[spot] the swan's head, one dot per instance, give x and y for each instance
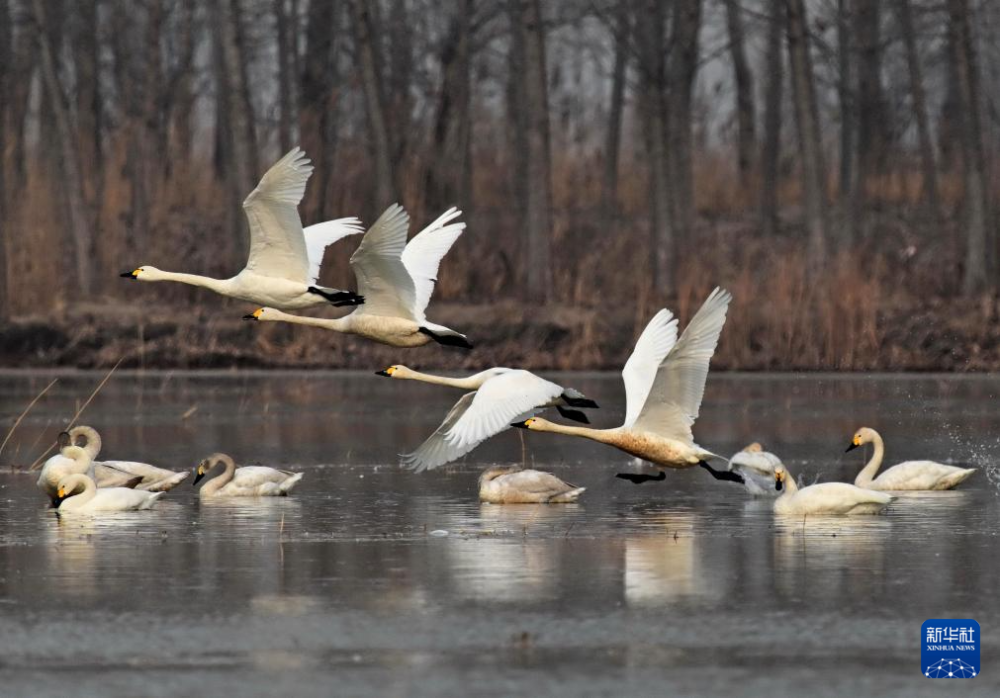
(755, 447)
(780, 477)
(394, 371)
(205, 466)
(143, 274)
(533, 424)
(862, 436)
(262, 315)
(496, 471)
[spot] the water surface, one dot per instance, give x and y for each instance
(349, 587)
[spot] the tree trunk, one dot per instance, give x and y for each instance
(980, 253)
(285, 39)
(527, 16)
(930, 188)
(687, 26)
(870, 112)
(845, 95)
(6, 52)
(88, 99)
(653, 107)
(745, 109)
(401, 63)
(182, 90)
(372, 84)
(448, 177)
(318, 103)
(612, 141)
(806, 116)
(243, 119)
(771, 153)
(79, 230)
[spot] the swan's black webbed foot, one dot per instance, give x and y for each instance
(639, 478)
(722, 474)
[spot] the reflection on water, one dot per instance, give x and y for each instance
(345, 571)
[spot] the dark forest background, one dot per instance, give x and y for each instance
(832, 162)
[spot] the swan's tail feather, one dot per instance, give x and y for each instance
(568, 497)
(447, 337)
(337, 297)
(574, 415)
(287, 485)
(152, 500)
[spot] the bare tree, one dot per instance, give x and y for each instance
(181, 88)
(79, 229)
(773, 95)
(526, 16)
(372, 83)
(980, 253)
(870, 143)
(285, 40)
(621, 27)
(684, 67)
(6, 53)
(845, 96)
(807, 118)
(919, 106)
(746, 143)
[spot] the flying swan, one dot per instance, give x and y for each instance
(284, 262)
(396, 280)
(513, 485)
(839, 498)
(911, 475)
(247, 481)
(664, 385)
(499, 396)
(79, 494)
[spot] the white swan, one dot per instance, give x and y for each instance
(756, 467)
(911, 475)
(499, 396)
(284, 261)
(664, 385)
(396, 280)
(247, 481)
(514, 485)
(79, 494)
(825, 498)
(114, 473)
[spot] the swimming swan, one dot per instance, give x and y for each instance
(114, 473)
(756, 467)
(513, 485)
(284, 261)
(499, 396)
(79, 494)
(248, 481)
(396, 280)
(825, 498)
(664, 385)
(911, 475)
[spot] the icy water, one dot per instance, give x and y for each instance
(350, 586)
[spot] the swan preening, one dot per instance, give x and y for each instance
(140, 476)
(826, 498)
(283, 267)
(396, 279)
(499, 395)
(245, 481)
(911, 475)
(756, 468)
(664, 385)
(79, 494)
(514, 485)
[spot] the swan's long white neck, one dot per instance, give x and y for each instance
(867, 474)
(789, 485)
(340, 324)
(604, 436)
(468, 383)
(218, 285)
(222, 479)
(89, 489)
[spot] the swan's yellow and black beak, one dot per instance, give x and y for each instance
(526, 424)
(130, 274)
(199, 473)
(779, 482)
(854, 444)
(61, 493)
(387, 372)
(255, 315)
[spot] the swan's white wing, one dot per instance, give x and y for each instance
(382, 277)
(675, 398)
(499, 402)
(424, 252)
(436, 451)
(256, 475)
(277, 245)
(653, 345)
(320, 236)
